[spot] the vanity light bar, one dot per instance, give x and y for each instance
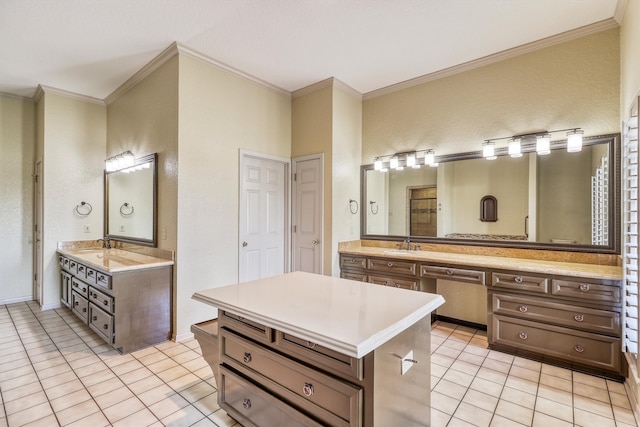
(409, 159)
(119, 161)
(542, 143)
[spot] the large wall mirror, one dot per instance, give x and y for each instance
(562, 201)
(131, 202)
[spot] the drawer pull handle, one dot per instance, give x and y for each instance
(584, 287)
(246, 403)
(518, 279)
(247, 357)
(307, 389)
(523, 309)
(390, 264)
(84, 309)
(449, 272)
(76, 303)
(523, 335)
(105, 326)
(311, 344)
(95, 295)
(95, 318)
(397, 285)
(579, 348)
(105, 302)
(578, 317)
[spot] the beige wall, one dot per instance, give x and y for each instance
(17, 145)
(71, 144)
(575, 83)
(312, 133)
(220, 114)
(630, 57)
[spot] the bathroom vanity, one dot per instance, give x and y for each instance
(302, 349)
(122, 295)
(567, 313)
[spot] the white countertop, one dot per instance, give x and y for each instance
(353, 318)
(114, 260)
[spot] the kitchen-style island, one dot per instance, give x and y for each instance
(302, 349)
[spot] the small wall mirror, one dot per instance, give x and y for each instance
(131, 202)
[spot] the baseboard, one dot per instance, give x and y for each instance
(632, 385)
(50, 306)
(474, 325)
(183, 337)
(16, 300)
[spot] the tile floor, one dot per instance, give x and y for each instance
(55, 371)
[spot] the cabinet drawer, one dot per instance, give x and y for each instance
(103, 280)
(73, 267)
(61, 261)
(81, 271)
(79, 305)
(561, 343)
(394, 282)
(352, 261)
(360, 277)
(325, 358)
(332, 401)
(91, 275)
(239, 396)
(246, 327)
(586, 291)
(600, 321)
(101, 322)
(518, 281)
(80, 287)
(64, 262)
(392, 266)
(450, 273)
(102, 300)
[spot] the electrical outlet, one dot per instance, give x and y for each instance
(164, 234)
(407, 363)
(87, 228)
(122, 228)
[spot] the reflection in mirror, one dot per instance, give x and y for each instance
(130, 200)
(555, 200)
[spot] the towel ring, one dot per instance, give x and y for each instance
(124, 207)
(85, 207)
(351, 202)
(373, 204)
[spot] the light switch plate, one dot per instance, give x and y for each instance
(407, 363)
(87, 228)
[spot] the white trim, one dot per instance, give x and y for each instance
(143, 73)
(607, 24)
(16, 300)
(322, 84)
(621, 7)
(229, 69)
(632, 385)
(18, 97)
(186, 336)
(50, 306)
(42, 89)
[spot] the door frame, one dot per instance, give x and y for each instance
(287, 201)
(38, 219)
(294, 167)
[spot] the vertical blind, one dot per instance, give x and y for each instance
(630, 249)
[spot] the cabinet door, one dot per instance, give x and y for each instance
(65, 288)
(394, 282)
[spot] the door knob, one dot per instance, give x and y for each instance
(315, 241)
(245, 244)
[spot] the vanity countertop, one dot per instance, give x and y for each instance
(114, 260)
(560, 268)
(353, 318)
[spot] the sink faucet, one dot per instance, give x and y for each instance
(408, 242)
(106, 242)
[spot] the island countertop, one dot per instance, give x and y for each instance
(353, 318)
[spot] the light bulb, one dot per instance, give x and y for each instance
(514, 148)
(377, 164)
(411, 160)
(393, 163)
(543, 144)
(574, 140)
(430, 158)
(488, 150)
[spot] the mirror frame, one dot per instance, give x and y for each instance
(141, 241)
(614, 204)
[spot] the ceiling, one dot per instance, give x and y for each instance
(91, 47)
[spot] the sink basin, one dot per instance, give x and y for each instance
(397, 252)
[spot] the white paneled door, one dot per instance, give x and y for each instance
(263, 217)
(307, 214)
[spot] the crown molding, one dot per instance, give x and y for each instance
(621, 7)
(143, 72)
(597, 27)
(42, 89)
(322, 84)
(229, 69)
(18, 97)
